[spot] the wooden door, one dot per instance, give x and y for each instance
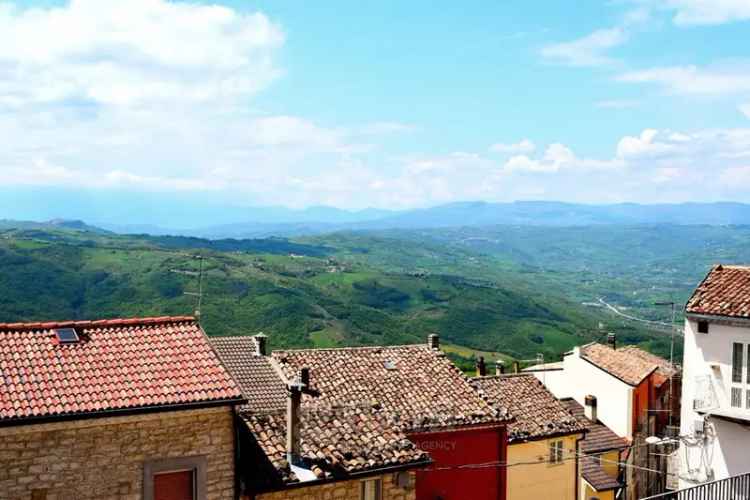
(179, 485)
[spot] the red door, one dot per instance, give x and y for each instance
(178, 485)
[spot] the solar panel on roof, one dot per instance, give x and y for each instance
(66, 335)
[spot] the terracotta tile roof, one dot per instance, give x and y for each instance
(593, 472)
(619, 363)
(335, 442)
(599, 437)
(117, 364)
(260, 382)
(665, 368)
(416, 384)
(536, 412)
(725, 291)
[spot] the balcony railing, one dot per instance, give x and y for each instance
(731, 488)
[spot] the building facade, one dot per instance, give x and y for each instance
(715, 426)
(108, 409)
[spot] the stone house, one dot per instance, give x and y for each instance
(122, 409)
(369, 423)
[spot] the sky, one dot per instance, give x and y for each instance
(385, 104)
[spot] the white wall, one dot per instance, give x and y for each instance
(555, 381)
(614, 397)
(728, 453)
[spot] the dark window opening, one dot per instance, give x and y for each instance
(703, 327)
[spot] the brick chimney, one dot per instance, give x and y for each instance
(612, 340)
(433, 341)
(481, 367)
(293, 403)
(589, 408)
(261, 341)
(499, 367)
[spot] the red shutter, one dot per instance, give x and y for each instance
(174, 485)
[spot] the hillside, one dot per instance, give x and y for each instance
(340, 290)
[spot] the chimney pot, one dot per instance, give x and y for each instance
(499, 367)
(304, 376)
(590, 408)
(516, 367)
(260, 344)
(612, 340)
(433, 341)
(481, 367)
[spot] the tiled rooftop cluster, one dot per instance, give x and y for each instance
(418, 385)
(348, 440)
(621, 363)
(117, 364)
(536, 412)
(724, 292)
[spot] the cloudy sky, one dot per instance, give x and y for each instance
(391, 104)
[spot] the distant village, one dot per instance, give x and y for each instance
(158, 409)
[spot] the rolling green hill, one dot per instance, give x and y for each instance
(344, 290)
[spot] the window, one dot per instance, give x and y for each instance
(181, 478)
(703, 327)
(556, 452)
(371, 490)
(737, 354)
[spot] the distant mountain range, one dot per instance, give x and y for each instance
(142, 214)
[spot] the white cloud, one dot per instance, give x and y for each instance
(125, 53)
(745, 109)
(703, 12)
(643, 145)
(590, 50)
(557, 157)
(727, 78)
(524, 146)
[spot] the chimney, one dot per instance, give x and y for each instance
(293, 402)
(499, 367)
(590, 408)
(260, 344)
(481, 367)
(304, 377)
(612, 340)
(516, 367)
(433, 341)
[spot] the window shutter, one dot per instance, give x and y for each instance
(737, 355)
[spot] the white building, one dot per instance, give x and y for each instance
(716, 378)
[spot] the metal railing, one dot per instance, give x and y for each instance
(731, 488)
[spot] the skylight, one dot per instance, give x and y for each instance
(67, 335)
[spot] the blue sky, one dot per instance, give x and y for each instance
(388, 104)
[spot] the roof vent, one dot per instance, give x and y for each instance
(66, 335)
(390, 364)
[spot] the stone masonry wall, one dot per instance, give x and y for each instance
(344, 490)
(103, 457)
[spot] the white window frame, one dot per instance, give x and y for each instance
(739, 390)
(371, 489)
(556, 452)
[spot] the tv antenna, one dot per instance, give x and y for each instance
(199, 294)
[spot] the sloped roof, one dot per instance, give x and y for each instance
(593, 472)
(536, 412)
(335, 442)
(117, 364)
(261, 384)
(619, 363)
(599, 437)
(725, 291)
(664, 368)
(416, 384)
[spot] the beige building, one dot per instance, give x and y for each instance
(116, 409)
(543, 438)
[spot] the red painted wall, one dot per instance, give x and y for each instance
(450, 449)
